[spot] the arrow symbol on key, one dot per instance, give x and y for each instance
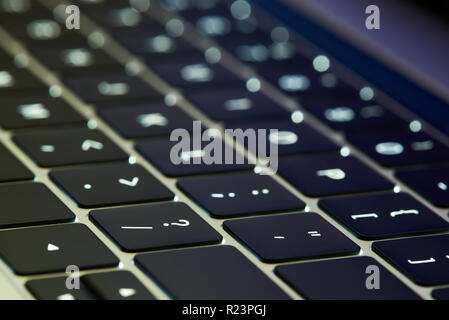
(52, 247)
(91, 144)
(129, 183)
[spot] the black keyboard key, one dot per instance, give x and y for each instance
(11, 169)
(212, 273)
(159, 152)
(11, 10)
(40, 29)
(229, 104)
(33, 112)
(331, 174)
(146, 121)
(56, 289)
(52, 249)
(384, 215)
(193, 73)
(401, 148)
(59, 147)
(153, 43)
(110, 184)
(432, 183)
(152, 227)
(291, 138)
(118, 285)
(13, 80)
(69, 57)
(106, 86)
(41, 206)
(441, 294)
(344, 279)
(350, 113)
(425, 260)
(291, 237)
(238, 194)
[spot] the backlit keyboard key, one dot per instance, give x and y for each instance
(384, 215)
(291, 138)
(291, 237)
(51, 249)
(110, 184)
(59, 147)
(13, 80)
(33, 112)
(213, 273)
(56, 289)
(11, 168)
(230, 104)
(425, 260)
(401, 148)
(431, 182)
(351, 113)
(118, 285)
(106, 86)
(238, 194)
(146, 120)
(153, 227)
(344, 279)
(27, 204)
(159, 152)
(194, 73)
(325, 175)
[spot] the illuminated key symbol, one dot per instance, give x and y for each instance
(389, 148)
(152, 119)
(339, 114)
(334, 174)
(136, 228)
(442, 186)
(279, 237)
(197, 73)
(238, 104)
(221, 195)
(180, 223)
(129, 183)
(187, 155)
(423, 145)
(91, 144)
(257, 192)
(431, 260)
(6, 79)
(127, 292)
(314, 234)
(47, 148)
(283, 138)
(77, 57)
(403, 212)
(113, 89)
(34, 111)
(364, 216)
(52, 247)
(87, 186)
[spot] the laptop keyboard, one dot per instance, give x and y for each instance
(92, 128)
